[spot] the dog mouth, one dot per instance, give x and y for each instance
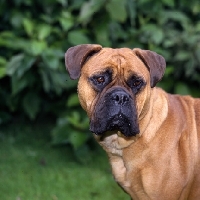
(116, 123)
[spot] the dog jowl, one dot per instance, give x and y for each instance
(115, 111)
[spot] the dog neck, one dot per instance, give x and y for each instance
(114, 142)
(157, 113)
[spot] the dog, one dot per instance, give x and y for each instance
(152, 138)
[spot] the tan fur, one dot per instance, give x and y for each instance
(163, 161)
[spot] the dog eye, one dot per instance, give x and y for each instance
(100, 79)
(137, 83)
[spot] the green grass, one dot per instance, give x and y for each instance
(31, 169)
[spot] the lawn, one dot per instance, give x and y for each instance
(32, 169)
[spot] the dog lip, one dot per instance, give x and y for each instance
(118, 123)
(117, 120)
(114, 131)
(122, 123)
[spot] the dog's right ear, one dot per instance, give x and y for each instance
(76, 56)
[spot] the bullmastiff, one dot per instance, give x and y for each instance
(152, 138)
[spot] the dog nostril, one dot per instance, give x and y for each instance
(120, 98)
(125, 98)
(117, 98)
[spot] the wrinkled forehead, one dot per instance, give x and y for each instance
(120, 61)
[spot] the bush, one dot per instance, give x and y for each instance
(34, 36)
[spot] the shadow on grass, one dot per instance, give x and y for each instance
(31, 169)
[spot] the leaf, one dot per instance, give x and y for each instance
(78, 37)
(64, 134)
(51, 61)
(66, 20)
(31, 104)
(158, 36)
(183, 55)
(7, 34)
(3, 63)
(73, 100)
(45, 80)
(17, 20)
(58, 81)
(77, 139)
(61, 131)
(102, 34)
(63, 2)
(117, 10)
(28, 26)
(11, 41)
(75, 119)
(131, 9)
(43, 31)
(26, 64)
(153, 33)
(175, 16)
(57, 53)
(190, 68)
(20, 44)
(169, 70)
(19, 64)
(2, 72)
(37, 47)
(18, 84)
(88, 10)
(169, 3)
(53, 80)
(195, 7)
(117, 32)
(181, 88)
(76, 4)
(14, 64)
(66, 23)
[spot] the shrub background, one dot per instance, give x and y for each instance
(34, 36)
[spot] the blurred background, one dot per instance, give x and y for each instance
(46, 150)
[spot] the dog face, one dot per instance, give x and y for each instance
(115, 85)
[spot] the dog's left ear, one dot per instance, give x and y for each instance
(76, 56)
(154, 62)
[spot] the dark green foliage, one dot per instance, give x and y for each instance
(34, 36)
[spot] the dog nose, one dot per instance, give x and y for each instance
(120, 97)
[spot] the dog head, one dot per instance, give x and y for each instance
(114, 84)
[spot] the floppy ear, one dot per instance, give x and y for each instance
(154, 62)
(76, 56)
